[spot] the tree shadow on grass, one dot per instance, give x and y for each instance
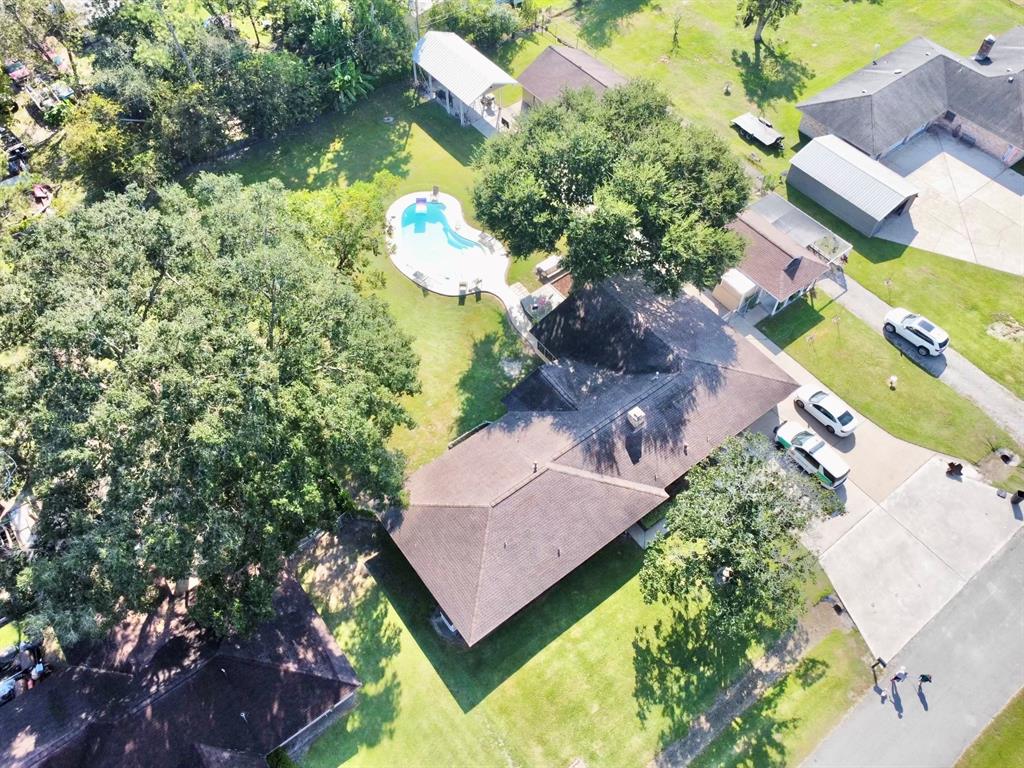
(484, 383)
(471, 674)
(356, 145)
(681, 665)
(756, 736)
(771, 75)
(599, 20)
(357, 611)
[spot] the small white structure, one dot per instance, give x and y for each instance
(637, 417)
(736, 291)
(460, 78)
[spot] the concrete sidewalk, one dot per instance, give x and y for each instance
(972, 648)
(1005, 408)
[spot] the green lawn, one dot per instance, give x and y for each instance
(9, 635)
(793, 715)
(460, 343)
(826, 41)
(1001, 744)
(589, 671)
(963, 298)
(856, 362)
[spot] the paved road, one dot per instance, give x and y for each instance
(1005, 408)
(973, 649)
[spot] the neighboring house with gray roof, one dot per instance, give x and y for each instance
(843, 180)
(506, 513)
(921, 84)
(558, 68)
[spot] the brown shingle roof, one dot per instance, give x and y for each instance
(558, 68)
(508, 512)
(773, 259)
(184, 697)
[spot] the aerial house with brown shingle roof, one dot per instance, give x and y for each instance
(780, 263)
(559, 68)
(644, 387)
(158, 692)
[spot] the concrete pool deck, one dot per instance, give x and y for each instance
(458, 277)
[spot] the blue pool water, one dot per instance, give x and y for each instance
(430, 233)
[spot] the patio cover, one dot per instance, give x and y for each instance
(458, 66)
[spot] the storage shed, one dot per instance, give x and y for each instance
(845, 181)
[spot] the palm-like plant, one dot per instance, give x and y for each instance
(348, 82)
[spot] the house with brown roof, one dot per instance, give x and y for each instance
(786, 253)
(559, 68)
(642, 388)
(158, 692)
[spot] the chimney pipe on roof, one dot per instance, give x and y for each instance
(985, 49)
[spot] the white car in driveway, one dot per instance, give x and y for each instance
(925, 335)
(812, 454)
(824, 406)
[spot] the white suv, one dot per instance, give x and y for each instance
(812, 454)
(919, 331)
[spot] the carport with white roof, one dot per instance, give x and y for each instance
(459, 78)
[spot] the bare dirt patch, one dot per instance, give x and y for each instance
(1007, 328)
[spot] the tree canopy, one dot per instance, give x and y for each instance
(765, 13)
(732, 548)
(627, 186)
(191, 388)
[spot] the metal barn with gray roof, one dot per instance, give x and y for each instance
(843, 180)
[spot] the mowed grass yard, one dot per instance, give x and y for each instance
(460, 344)
(962, 297)
(826, 41)
(591, 670)
(1001, 744)
(856, 362)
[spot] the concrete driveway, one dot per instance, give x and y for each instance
(970, 206)
(910, 538)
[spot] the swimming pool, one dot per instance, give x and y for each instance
(434, 246)
(425, 227)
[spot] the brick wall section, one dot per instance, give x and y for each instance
(983, 139)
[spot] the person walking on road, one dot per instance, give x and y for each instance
(922, 679)
(900, 676)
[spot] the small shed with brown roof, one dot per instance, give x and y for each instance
(780, 269)
(508, 512)
(559, 68)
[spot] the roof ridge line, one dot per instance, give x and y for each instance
(607, 479)
(480, 566)
(581, 69)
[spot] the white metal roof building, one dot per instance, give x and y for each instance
(458, 76)
(845, 181)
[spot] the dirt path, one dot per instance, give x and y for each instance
(735, 700)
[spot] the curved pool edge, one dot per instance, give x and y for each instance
(491, 283)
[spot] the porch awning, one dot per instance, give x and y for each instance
(458, 66)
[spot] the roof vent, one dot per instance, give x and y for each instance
(985, 49)
(637, 417)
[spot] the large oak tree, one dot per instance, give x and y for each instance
(628, 187)
(195, 387)
(733, 546)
